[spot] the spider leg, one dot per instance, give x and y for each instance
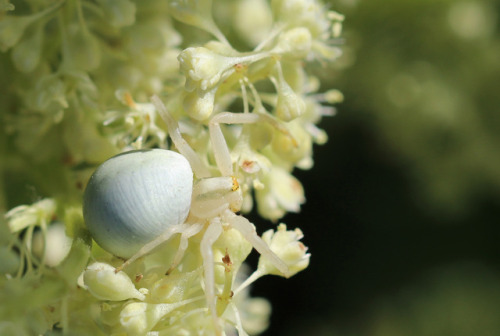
(188, 233)
(212, 233)
(153, 244)
(221, 151)
(199, 169)
(247, 229)
(211, 196)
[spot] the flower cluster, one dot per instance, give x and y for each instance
(79, 98)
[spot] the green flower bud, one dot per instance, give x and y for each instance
(11, 30)
(10, 260)
(119, 13)
(12, 27)
(81, 49)
(26, 54)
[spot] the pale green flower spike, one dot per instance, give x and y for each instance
(91, 80)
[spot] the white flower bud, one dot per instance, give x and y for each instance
(334, 96)
(306, 13)
(295, 146)
(202, 67)
(137, 318)
(253, 20)
(57, 245)
(255, 315)
(102, 281)
(282, 193)
(290, 105)
(199, 107)
(295, 43)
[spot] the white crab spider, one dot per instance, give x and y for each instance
(213, 202)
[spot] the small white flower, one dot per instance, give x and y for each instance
(136, 128)
(287, 246)
(285, 243)
(39, 213)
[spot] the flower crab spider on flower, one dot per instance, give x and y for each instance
(129, 213)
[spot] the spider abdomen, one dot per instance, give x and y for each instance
(135, 196)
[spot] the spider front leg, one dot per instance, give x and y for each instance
(248, 231)
(199, 169)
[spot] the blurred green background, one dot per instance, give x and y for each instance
(402, 217)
